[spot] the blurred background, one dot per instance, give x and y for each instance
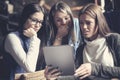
(10, 10)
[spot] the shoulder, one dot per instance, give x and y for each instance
(113, 36)
(113, 40)
(12, 36)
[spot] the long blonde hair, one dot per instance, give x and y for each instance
(62, 7)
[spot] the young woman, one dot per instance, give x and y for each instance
(64, 28)
(98, 57)
(24, 44)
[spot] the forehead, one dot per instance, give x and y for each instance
(86, 17)
(38, 15)
(60, 14)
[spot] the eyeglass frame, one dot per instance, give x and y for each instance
(35, 21)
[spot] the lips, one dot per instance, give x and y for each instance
(85, 32)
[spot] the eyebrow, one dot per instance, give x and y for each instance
(36, 19)
(67, 16)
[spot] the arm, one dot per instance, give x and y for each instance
(105, 71)
(26, 60)
(98, 70)
(113, 41)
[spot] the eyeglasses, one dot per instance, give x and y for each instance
(35, 21)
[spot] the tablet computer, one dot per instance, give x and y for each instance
(62, 57)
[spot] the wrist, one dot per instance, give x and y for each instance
(59, 39)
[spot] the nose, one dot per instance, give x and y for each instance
(64, 21)
(37, 25)
(84, 26)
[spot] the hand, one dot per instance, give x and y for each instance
(62, 32)
(29, 32)
(83, 71)
(51, 73)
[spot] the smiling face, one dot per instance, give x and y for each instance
(62, 19)
(34, 21)
(88, 27)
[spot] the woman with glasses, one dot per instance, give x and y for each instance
(25, 44)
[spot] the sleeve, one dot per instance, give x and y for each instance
(105, 71)
(26, 60)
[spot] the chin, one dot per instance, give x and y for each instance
(87, 37)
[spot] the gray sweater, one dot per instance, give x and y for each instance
(100, 71)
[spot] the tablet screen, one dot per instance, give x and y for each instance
(60, 56)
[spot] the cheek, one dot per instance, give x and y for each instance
(93, 31)
(69, 23)
(58, 24)
(39, 28)
(27, 25)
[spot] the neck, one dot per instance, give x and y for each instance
(92, 38)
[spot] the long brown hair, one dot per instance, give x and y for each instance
(96, 13)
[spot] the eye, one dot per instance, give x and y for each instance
(67, 18)
(41, 22)
(88, 22)
(34, 20)
(58, 20)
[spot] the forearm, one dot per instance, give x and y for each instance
(105, 71)
(32, 55)
(26, 60)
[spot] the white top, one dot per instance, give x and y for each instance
(97, 51)
(78, 39)
(13, 45)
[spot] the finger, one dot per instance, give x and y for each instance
(48, 68)
(56, 74)
(83, 66)
(25, 32)
(84, 76)
(51, 69)
(28, 30)
(81, 73)
(55, 78)
(80, 68)
(54, 71)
